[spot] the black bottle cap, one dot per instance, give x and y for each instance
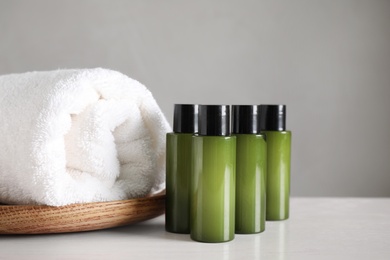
(246, 119)
(185, 118)
(273, 117)
(214, 120)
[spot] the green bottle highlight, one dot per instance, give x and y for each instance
(213, 177)
(278, 161)
(251, 170)
(179, 167)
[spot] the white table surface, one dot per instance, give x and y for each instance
(318, 228)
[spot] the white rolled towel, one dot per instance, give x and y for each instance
(76, 136)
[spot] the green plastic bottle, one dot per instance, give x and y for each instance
(178, 168)
(213, 177)
(251, 170)
(273, 125)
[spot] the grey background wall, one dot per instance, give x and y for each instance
(328, 61)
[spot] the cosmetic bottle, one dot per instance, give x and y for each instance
(178, 168)
(250, 171)
(213, 177)
(273, 125)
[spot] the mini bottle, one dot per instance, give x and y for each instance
(178, 168)
(273, 124)
(213, 177)
(250, 171)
